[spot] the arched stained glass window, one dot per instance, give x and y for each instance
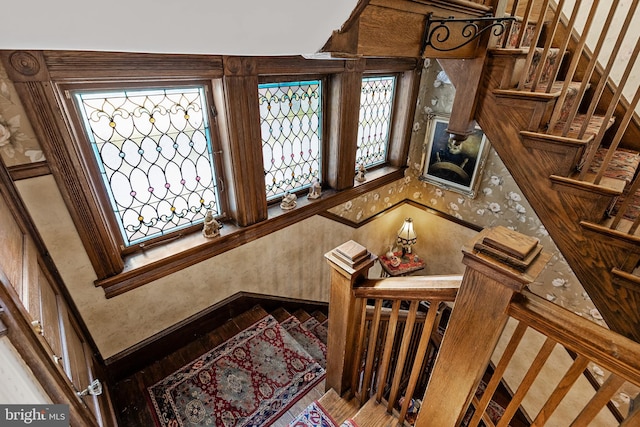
(291, 127)
(376, 102)
(153, 151)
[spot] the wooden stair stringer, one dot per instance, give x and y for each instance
(560, 154)
(503, 122)
(590, 201)
(628, 285)
(627, 246)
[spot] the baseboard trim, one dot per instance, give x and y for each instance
(135, 358)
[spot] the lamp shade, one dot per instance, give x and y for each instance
(406, 234)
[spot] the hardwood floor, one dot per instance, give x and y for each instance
(130, 397)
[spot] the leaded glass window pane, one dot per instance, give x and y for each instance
(376, 102)
(153, 150)
(291, 123)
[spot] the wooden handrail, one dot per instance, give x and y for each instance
(610, 350)
(417, 288)
(388, 356)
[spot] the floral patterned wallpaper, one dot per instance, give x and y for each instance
(499, 200)
(18, 144)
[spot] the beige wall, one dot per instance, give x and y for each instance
(19, 384)
(288, 263)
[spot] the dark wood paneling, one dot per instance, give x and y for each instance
(407, 87)
(91, 66)
(343, 111)
(171, 339)
(239, 121)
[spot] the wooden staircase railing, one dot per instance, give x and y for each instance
(548, 132)
(397, 353)
(494, 318)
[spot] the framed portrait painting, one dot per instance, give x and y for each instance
(453, 165)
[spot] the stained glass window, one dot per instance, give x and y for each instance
(291, 126)
(153, 150)
(376, 102)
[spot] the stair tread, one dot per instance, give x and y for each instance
(280, 314)
(340, 408)
(623, 226)
(320, 316)
(607, 184)
(595, 123)
(316, 328)
(623, 164)
(307, 339)
(374, 414)
(249, 317)
(302, 315)
(555, 88)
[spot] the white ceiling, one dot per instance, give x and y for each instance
(234, 27)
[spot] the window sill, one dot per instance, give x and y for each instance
(161, 260)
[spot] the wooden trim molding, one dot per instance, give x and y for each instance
(343, 110)
(44, 80)
(33, 351)
(40, 101)
(242, 148)
(411, 202)
(407, 87)
(161, 261)
(29, 170)
(20, 213)
(3, 327)
(171, 339)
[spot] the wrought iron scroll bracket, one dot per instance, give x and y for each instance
(436, 31)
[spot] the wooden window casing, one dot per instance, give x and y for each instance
(43, 80)
(322, 123)
(83, 144)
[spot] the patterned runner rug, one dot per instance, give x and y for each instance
(249, 380)
(315, 415)
(318, 329)
(307, 339)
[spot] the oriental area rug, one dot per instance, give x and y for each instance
(315, 415)
(249, 380)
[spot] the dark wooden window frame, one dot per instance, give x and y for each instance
(42, 78)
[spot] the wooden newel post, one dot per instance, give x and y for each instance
(500, 262)
(350, 262)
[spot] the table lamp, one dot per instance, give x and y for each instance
(406, 236)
